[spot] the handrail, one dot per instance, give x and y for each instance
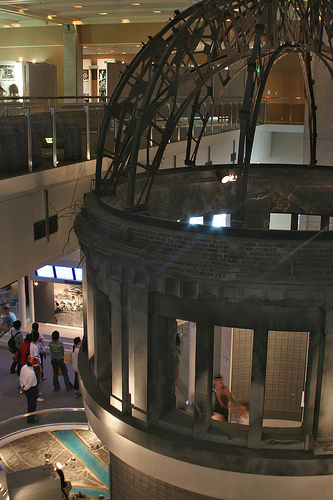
(12, 427)
(42, 132)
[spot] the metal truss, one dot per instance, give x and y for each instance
(171, 78)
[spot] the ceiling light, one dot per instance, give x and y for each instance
(123, 52)
(157, 11)
(77, 21)
(78, 6)
(103, 13)
(20, 58)
(111, 50)
(6, 26)
(22, 10)
(16, 25)
(136, 3)
(51, 16)
(125, 21)
(34, 61)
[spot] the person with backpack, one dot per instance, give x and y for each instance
(8, 321)
(14, 343)
(24, 352)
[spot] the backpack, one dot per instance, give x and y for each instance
(11, 344)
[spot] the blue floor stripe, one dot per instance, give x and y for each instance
(90, 492)
(73, 443)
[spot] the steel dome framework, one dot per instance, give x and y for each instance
(174, 70)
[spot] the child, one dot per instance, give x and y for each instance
(76, 347)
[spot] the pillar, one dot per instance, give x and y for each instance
(259, 363)
(323, 422)
(163, 332)
(88, 311)
(22, 303)
(102, 357)
(310, 389)
(119, 341)
(73, 79)
(203, 378)
(140, 337)
(31, 300)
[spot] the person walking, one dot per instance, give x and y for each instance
(17, 335)
(57, 360)
(34, 352)
(76, 348)
(28, 386)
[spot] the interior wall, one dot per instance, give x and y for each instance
(42, 44)
(22, 203)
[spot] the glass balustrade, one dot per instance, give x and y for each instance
(45, 133)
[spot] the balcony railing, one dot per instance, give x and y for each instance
(40, 133)
(66, 418)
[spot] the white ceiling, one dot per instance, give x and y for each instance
(32, 13)
(15, 14)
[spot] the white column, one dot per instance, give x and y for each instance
(22, 302)
(31, 300)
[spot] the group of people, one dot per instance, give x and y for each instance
(29, 357)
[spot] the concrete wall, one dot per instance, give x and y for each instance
(23, 202)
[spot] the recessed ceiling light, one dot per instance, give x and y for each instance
(51, 16)
(111, 50)
(6, 26)
(157, 11)
(136, 3)
(22, 10)
(84, 47)
(123, 52)
(78, 6)
(16, 25)
(103, 13)
(125, 21)
(77, 21)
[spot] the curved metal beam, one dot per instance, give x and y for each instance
(177, 63)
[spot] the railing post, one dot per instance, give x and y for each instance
(29, 138)
(54, 138)
(291, 112)
(86, 109)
